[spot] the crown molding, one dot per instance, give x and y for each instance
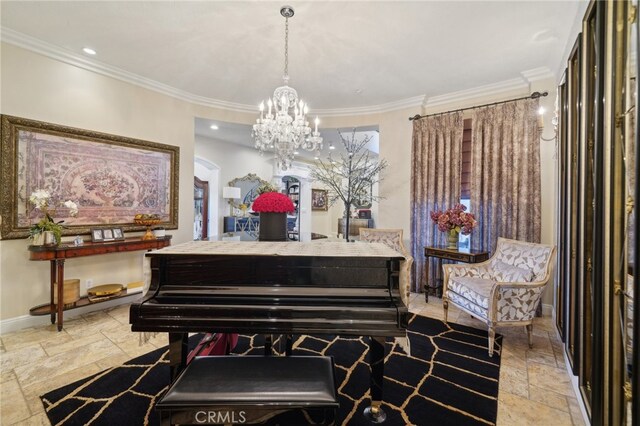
(537, 74)
(468, 95)
(68, 57)
(502, 88)
(413, 102)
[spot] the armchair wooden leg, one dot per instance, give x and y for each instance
(445, 306)
(492, 338)
(529, 328)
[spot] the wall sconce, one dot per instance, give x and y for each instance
(231, 193)
(554, 121)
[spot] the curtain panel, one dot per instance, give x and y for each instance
(505, 173)
(435, 183)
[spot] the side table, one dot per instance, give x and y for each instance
(442, 252)
(57, 255)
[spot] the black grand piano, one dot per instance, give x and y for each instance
(280, 288)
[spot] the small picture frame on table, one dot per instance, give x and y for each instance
(96, 235)
(107, 234)
(118, 234)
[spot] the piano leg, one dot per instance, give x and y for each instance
(178, 351)
(376, 360)
(279, 344)
(289, 347)
(268, 342)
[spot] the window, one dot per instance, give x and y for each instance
(465, 177)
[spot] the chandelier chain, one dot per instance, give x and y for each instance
(286, 48)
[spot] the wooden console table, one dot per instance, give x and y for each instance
(354, 226)
(58, 254)
(464, 255)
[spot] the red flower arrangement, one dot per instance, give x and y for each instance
(455, 219)
(273, 202)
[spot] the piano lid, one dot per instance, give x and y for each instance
(266, 248)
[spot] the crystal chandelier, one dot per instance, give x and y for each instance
(284, 128)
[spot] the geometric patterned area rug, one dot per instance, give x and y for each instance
(448, 379)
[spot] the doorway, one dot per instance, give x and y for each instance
(201, 209)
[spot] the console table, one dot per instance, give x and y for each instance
(458, 255)
(354, 225)
(241, 224)
(57, 255)
(251, 224)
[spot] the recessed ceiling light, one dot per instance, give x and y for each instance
(214, 127)
(296, 152)
(331, 146)
(89, 51)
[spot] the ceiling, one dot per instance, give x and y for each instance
(342, 55)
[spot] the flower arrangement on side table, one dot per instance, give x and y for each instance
(41, 200)
(455, 221)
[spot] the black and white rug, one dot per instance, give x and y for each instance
(448, 379)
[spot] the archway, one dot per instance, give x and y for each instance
(207, 171)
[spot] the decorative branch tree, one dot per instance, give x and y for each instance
(352, 177)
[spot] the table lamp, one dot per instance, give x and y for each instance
(231, 193)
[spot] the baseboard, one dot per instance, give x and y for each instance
(574, 379)
(25, 321)
(576, 389)
(547, 310)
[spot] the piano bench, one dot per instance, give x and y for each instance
(252, 390)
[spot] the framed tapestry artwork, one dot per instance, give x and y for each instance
(319, 199)
(110, 178)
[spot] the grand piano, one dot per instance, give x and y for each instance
(275, 288)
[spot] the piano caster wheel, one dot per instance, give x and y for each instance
(375, 414)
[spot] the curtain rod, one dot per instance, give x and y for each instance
(534, 95)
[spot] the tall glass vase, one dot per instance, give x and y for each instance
(452, 239)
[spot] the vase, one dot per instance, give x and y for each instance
(49, 238)
(273, 227)
(452, 239)
(37, 239)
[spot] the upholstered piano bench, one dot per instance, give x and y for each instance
(252, 390)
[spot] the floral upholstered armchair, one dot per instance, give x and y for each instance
(503, 291)
(393, 238)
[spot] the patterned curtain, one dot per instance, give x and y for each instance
(435, 183)
(505, 173)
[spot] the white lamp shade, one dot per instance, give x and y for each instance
(230, 192)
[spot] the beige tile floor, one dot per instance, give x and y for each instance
(535, 388)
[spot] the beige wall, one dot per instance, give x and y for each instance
(36, 87)
(39, 88)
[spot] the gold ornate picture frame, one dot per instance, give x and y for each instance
(110, 178)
